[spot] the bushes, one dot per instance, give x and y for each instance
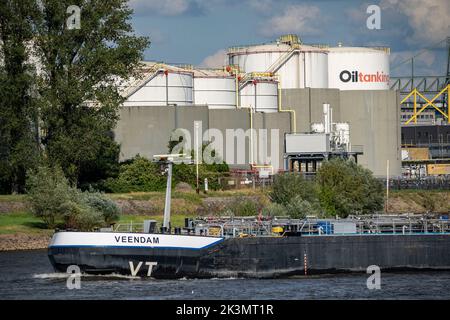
(57, 203)
(101, 203)
(141, 174)
(294, 196)
(274, 209)
(299, 208)
(48, 191)
(241, 207)
(340, 188)
(290, 185)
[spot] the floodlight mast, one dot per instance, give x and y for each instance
(169, 160)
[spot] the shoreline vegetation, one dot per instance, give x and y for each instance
(20, 230)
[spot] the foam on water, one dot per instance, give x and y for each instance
(60, 275)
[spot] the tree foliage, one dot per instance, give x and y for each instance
(57, 203)
(141, 174)
(138, 174)
(290, 185)
(348, 188)
(68, 103)
(340, 188)
(78, 84)
(19, 148)
(241, 207)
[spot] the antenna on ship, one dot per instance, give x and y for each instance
(167, 160)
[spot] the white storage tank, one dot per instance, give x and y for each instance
(214, 88)
(261, 95)
(356, 68)
(298, 65)
(161, 85)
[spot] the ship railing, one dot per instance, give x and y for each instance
(129, 227)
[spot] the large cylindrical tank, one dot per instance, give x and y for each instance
(214, 89)
(355, 68)
(260, 95)
(299, 66)
(162, 86)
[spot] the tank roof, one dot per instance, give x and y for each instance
(151, 66)
(360, 49)
(274, 47)
(213, 73)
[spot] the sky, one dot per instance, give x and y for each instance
(198, 32)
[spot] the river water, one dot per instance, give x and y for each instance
(29, 275)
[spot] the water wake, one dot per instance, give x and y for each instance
(60, 275)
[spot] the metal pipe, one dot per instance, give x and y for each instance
(292, 112)
(196, 135)
(237, 90)
(167, 87)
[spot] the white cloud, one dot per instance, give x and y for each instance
(164, 7)
(263, 6)
(216, 60)
(301, 19)
(429, 19)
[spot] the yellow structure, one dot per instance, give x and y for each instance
(417, 154)
(438, 169)
(415, 94)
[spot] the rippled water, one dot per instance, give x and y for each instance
(29, 275)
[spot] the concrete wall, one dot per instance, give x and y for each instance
(146, 131)
(373, 117)
(308, 105)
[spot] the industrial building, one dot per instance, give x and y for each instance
(282, 85)
(425, 120)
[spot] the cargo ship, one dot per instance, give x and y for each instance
(258, 247)
(294, 248)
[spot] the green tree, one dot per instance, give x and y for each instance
(348, 188)
(69, 104)
(19, 147)
(290, 185)
(78, 88)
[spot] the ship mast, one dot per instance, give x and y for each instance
(167, 161)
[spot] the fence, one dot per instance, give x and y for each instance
(252, 180)
(425, 183)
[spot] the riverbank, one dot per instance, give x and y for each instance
(21, 241)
